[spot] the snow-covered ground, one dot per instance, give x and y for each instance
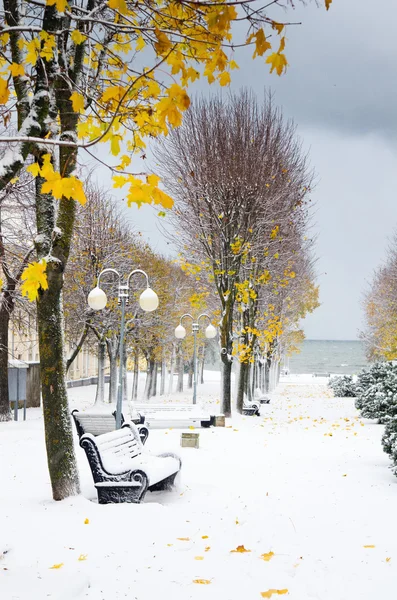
(305, 489)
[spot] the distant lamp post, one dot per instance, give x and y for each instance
(97, 300)
(180, 333)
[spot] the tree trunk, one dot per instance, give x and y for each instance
(242, 380)
(5, 412)
(113, 376)
(202, 370)
(226, 388)
(124, 358)
(163, 372)
(268, 364)
(148, 383)
(172, 366)
(250, 380)
(100, 389)
(58, 430)
(153, 383)
(190, 378)
(136, 376)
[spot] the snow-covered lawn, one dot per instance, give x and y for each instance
(307, 481)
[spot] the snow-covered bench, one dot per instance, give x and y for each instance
(251, 408)
(98, 423)
(173, 415)
(122, 470)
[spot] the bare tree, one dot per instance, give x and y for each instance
(235, 167)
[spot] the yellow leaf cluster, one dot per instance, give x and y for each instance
(141, 192)
(59, 4)
(273, 592)
(34, 277)
(4, 91)
(60, 187)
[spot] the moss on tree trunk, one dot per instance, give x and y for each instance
(58, 429)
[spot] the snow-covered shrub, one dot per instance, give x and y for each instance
(389, 442)
(377, 392)
(343, 386)
(389, 438)
(374, 374)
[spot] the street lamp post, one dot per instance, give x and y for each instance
(180, 333)
(148, 301)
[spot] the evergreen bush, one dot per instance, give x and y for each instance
(377, 392)
(343, 386)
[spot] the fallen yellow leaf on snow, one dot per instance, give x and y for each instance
(273, 592)
(86, 522)
(204, 537)
(202, 581)
(58, 566)
(369, 546)
(83, 557)
(199, 558)
(240, 549)
(267, 556)
(183, 539)
(207, 548)
(170, 544)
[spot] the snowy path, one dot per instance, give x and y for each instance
(307, 481)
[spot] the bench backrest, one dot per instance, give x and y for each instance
(152, 408)
(118, 447)
(96, 423)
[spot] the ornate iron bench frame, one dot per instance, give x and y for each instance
(131, 484)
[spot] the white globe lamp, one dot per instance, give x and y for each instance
(180, 332)
(148, 300)
(210, 332)
(97, 299)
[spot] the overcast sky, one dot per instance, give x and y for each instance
(341, 90)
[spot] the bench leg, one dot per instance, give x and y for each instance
(118, 495)
(166, 484)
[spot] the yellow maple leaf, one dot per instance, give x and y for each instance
(240, 549)
(224, 78)
(4, 91)
(16, 70)
(86, 521)
(58, 566)
(34, 169)
(140, 43)
(278, 26)
(278, 62)
(34, 277)
(273, 592)
(115, 144)
(77, 102)
(113, 92)
(202, 581)
(119, 5)
(328, 4)
(60, 4)
(32, 48)
(267, 556)
(78, 37)
(119, 181)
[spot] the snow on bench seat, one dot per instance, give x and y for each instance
(173, 415)
(118, 459)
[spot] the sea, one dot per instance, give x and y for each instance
(328, 356)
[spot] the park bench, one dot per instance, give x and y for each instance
(173, 415)
(321, 374)
(251, 408)
(122, 470)
(98, 423)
